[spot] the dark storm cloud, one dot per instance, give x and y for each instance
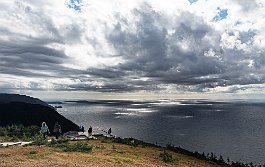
(109, 87)
(111, 73)
(155, 50)
(24, 58)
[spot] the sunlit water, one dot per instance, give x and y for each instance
(231, 129)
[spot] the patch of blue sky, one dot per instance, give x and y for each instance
(75, 5)
(222, 14)
(192, 1)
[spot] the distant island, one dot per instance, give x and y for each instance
(26, 110)
(58, 106)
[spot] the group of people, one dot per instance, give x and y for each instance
(89, 131)
(57, 130)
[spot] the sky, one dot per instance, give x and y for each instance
(133, 49)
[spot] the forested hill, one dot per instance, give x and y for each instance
(26, 113)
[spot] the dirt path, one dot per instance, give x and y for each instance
(20, 143)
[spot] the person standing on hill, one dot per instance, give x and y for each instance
(109, 131)
(57, 130)
(89, 131)
(44, 130)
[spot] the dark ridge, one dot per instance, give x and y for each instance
(32, 114)
(8, 98)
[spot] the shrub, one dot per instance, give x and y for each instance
(64, 144)
(78, 147)
(38, 140)
(166, 157)
(33, 152)
(16, 132)
(59, 141)
(129, 141)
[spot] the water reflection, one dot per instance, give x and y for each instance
(232, 129)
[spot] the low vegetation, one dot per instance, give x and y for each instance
(166, 157)
(18, 132)
(65, 145)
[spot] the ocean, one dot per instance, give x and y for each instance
(234, 129)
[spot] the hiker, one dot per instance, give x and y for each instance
(109, 131)
(83, 129)
(90, 131)
(57, 130)
(44, 130)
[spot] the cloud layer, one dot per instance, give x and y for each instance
(141, 45)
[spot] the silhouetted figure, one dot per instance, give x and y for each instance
(109, 131)
(57, 130)
(44, 130)
(89, 131)
(82, 129)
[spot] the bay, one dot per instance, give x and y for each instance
(234, 129)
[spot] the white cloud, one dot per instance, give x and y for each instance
(175, 44)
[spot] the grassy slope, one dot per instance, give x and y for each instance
(104, 153)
